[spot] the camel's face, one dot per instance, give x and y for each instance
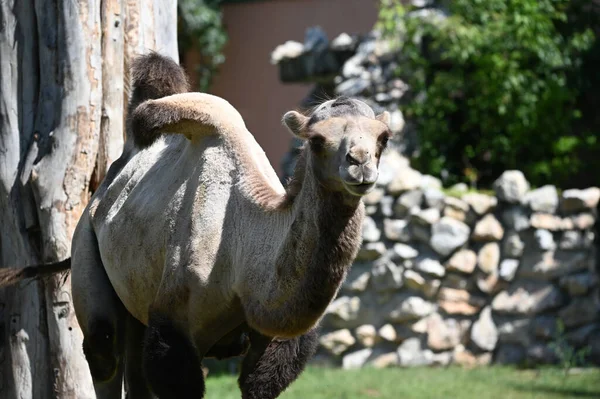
(346, 140)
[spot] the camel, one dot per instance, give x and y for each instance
(192, 248)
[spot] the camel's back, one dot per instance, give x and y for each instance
(168, 196)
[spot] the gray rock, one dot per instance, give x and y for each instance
(428, 264)
(420, 232)
(516, 218)
(290, 49)
(463, 261)
(455, 208)
(415, 281)
(344, 310)
(315, 39)
(383, 360)
(342, 42)
(407, 308)
(550, 222)
(434, 198)
(356, 360)
(580, 311)
(385, 275)
(426, 217)
(578, 284)
(489, 283)
(391, 164)
(581, 336)
(442, 359)
(387, 206)
(488, 258)
(428, 181)
(405, 180)
(366, 335)
(544, 240)
(511, 186)
(407, 201)
(552, 264)
(539, 353)
(374, 197)
(527, 298)
(510, 354)
(575, 240)
(508, 269)
(544, 327)
(488, 229)
(444, 334)
(337, 342)
(357, 280)
(448, 235)
(582, 221)
(404, 251)
(458, 281)
(411, 354)
(352, 87)
(543, 199)
(397, 121)
(370, 232)
(515, 331)
(396, 230)
(387, 333)
(480, 203)
(371, 251)
(484, 333)
(513, 246)
(580, 200)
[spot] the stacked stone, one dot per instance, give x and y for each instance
(469, 278)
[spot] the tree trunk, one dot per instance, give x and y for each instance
(63, 95)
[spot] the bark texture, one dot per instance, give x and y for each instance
(63, 91)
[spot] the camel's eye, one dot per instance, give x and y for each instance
(317, 143)
(384, 138)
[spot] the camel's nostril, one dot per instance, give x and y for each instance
(351, 160)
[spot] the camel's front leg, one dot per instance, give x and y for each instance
(271, 365)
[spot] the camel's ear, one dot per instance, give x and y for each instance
(296, 122)
(384, 117)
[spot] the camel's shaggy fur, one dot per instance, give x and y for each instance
(192, 235)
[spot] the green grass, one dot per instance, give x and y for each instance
(422, 383)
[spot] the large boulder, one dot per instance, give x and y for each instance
(407, 308)
(488, 258)
(356, 360)
(444, 334)
(411, 354)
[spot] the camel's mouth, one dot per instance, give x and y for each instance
(359, 189)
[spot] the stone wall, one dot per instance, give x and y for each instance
(466, 277)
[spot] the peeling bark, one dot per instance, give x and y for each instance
(62, 102)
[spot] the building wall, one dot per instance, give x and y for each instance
(249, 81)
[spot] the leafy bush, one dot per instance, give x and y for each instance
(201, 26)
(500, 84)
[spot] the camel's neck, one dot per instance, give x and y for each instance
(318, 246)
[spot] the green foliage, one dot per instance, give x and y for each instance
(568, 356)
(201, 26)
(498, 85)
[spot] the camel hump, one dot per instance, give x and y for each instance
(154, 76)
(189, 114)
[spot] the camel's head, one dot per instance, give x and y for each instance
(345, 142)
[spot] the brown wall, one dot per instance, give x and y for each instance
(251, 83)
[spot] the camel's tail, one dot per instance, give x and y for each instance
(10, 276)
(153, 76)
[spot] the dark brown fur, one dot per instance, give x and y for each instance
(153, 76)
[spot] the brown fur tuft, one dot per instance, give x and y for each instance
(10, 276)
(153, 76)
